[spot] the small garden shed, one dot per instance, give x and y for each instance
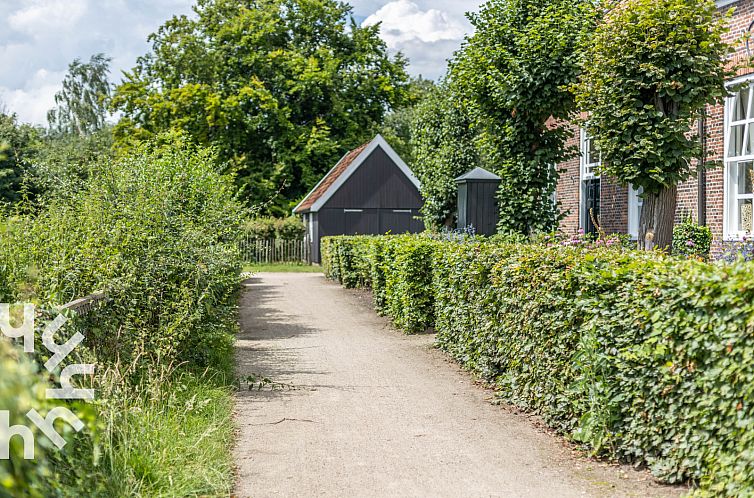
(370, 191)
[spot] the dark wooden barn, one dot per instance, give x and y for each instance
(370, 191)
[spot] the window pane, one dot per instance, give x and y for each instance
(735, 147)
(749, 140)
(741, 104)
(745, 215)
(594, 154)
(745, 177)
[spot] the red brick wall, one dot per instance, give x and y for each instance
(568, 191)
(614, 199)
(613, 206)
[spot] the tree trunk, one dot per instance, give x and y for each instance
(657, 219)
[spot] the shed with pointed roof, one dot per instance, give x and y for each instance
(477, 201)
(370, 191)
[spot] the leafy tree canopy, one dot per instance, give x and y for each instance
(82, 103)
(281, 87)
(60, 164)
(16, 145)
(649, 72)
(444, 148)
(514, 75)
(396, 128)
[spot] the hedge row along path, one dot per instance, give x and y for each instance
(352, 407)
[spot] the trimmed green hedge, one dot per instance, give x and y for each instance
(398, 269)
(640, 356)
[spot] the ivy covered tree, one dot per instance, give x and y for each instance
(82, 103)
(444, 148)
(514, 74)
(650, 71)
(281, 88)
(396, 128)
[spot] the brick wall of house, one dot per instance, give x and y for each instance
(568, 191)
(614, 199)
(613, 206)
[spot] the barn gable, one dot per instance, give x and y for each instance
(372, 164)
(370, 191)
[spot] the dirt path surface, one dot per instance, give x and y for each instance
(359, 409)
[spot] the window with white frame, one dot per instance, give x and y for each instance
(739, 163)
(635, 203)
(590, 185)
(591, 159)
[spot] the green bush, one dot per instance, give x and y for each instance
(638, 355)
(398, 269)
(291, 228)
(157, 233)
(691, 240)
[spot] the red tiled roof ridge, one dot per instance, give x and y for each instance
(330, 178)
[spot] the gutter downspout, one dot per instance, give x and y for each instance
(701, 189)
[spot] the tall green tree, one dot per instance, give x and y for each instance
(514, 74)
(396, 128)
(650, 71)
(280, 87)
(17, 143)
(82, 103)
(444, 148)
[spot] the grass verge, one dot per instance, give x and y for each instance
(283, 268)
(175, 439)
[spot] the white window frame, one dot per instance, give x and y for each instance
(635, 203)
(586, 172)
(730, 180)
(588, 169)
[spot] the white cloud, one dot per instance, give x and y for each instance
(43, 16)
(403, 21)
(428, 37)
(39, 38)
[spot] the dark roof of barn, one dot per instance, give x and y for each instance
(478, 174)
(329, 179)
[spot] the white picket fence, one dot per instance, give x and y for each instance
(275, 251)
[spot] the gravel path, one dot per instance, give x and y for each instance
(356, 409)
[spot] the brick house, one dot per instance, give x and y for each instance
(721, 198)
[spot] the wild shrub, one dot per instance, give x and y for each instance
(156, 233)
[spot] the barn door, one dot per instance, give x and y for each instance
(361, 222)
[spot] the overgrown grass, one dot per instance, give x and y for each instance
(283, 268)
(173, 439)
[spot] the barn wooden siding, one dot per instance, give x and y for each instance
(378, 198)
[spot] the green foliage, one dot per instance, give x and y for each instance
(169, 436)
(691, 240)
(650, 70)
(19, 142)
(266, 228)
(60, 165)
(282, 88)
(444, 149)
(637, 355)
(397, 126)
(22, 387)
(157, 233)
(82, 103)
(398, 269)
(513, 75)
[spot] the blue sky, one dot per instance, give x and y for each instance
(39, 38)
